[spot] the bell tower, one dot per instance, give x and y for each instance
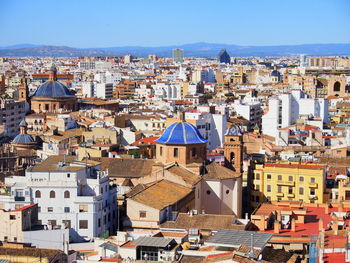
(233, 149)
(23, 91)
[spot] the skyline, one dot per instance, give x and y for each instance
(116, 24)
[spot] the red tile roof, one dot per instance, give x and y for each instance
(311, 225)
(23, 208)
(146, 140)
(338, 257)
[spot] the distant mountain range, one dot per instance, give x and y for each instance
(201, 49)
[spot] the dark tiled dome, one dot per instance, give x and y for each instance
(181, 133)
(23, 138)
(53, 89)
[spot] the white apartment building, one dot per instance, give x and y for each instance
(285, 109)
(98, 90)
(250, 109)
(143, 91)
(211, 126)
(69, 194)
(167, 90)
(11, 114)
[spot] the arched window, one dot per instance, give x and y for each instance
(336, 86)
(52, 194)
(194, 152)
(232, 157)
(37, 194)
(66, 194)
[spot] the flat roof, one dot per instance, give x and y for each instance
(236, 238)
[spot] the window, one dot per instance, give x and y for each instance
(12, 217)
(68, 175)
(290, 190)
(83, 208)
(52, 222)
(227, 192)
(101, 190)
(257, 176)
(83, 224)
(280, 178)
(290, 178)
(37, 194)
(257, 187)
(67, 209)
(257, 199)
(161, 150)
(312, 179)
(268, 188)
(301, 191)
(66, 194)
(194, 152)
(279, 189)
(208, 192)
(176, 152)
(50, 209)
(6, 238)
(66, 223)
(142, 214)
(269, 176)
(312, 191)
(52, 194)
(15, 239)
(99, 222)
(301, 179)
(336, 86)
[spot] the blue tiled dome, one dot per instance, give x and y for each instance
(23, 138)
(72, 124)
(181, 133)
(52, 89)
(234, 131)
(23, 123)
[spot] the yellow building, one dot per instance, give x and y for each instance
(288, 181)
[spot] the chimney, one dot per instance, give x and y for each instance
(262, 223)
(341, 207)
(320, 225)
(335, 227)
(276, 227)
(292, 228)
(279, 217)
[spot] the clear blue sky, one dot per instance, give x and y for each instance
(107, 23)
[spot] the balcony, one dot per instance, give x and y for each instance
(19, 198)
(289, 183)
(313, 185)
(280, 194)
(312, 197)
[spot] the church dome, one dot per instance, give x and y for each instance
(23, 138)
(53, 89)
(234, 131)
(181, 133)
